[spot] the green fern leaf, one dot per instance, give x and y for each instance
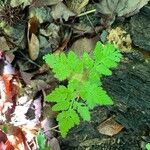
(104, 99)
(102, 69)
(67, 120)
(94, 77)
(106, 55)
(83, 111)
(61, 106)
(94, 95)
(58, 95)
(87, 61)
(59, 65)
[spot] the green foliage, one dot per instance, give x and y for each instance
(42, 141)
(148, 146)
(84, 90)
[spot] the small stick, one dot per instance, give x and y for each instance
(86, 13)
(30, 60)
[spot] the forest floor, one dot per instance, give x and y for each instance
(30, 29)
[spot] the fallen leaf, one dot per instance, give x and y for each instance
(77, 5)
(82, 45)
(54, 144)
(3, 44)
(41, 13)
(17, 139)
(52, 32)
(33, 41)
(39, 3)
(110, 127)
(60, 11)
(15, 35)
(34, 47)
(15, 3)
(8, 88)
(112, 8)
(26, 76)
(29, 113)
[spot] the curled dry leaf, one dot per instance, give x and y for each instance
(110, 127)
(33, 47)
(60, 11)
(33, 41)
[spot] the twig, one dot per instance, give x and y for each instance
(53, 128)
(30, 60)
(86, 13)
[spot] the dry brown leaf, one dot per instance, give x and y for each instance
(3, 44)
(83, 44)
(110, 127)
(33, 41)
(60, 11)
(77, 5)
(34, 47)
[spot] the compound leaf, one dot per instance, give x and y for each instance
(106, 55)
(94, 95)
(63, 105)
(67, 120)
(58, 95)
(102, 69)
(84, 112)
(87, 61)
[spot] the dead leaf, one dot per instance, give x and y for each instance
(33, 41)
(3, 44)
(43, 14)
(77, 5)
(83, 44)
(54, 144)
(60, 11)
(39, 3)
(109, 127)
(63, 44)
(8, 88)
(15, 3)
(112, 8)
(34, 47)
(53, 34)
(17, 139)
(26, 76)
(29, 113)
